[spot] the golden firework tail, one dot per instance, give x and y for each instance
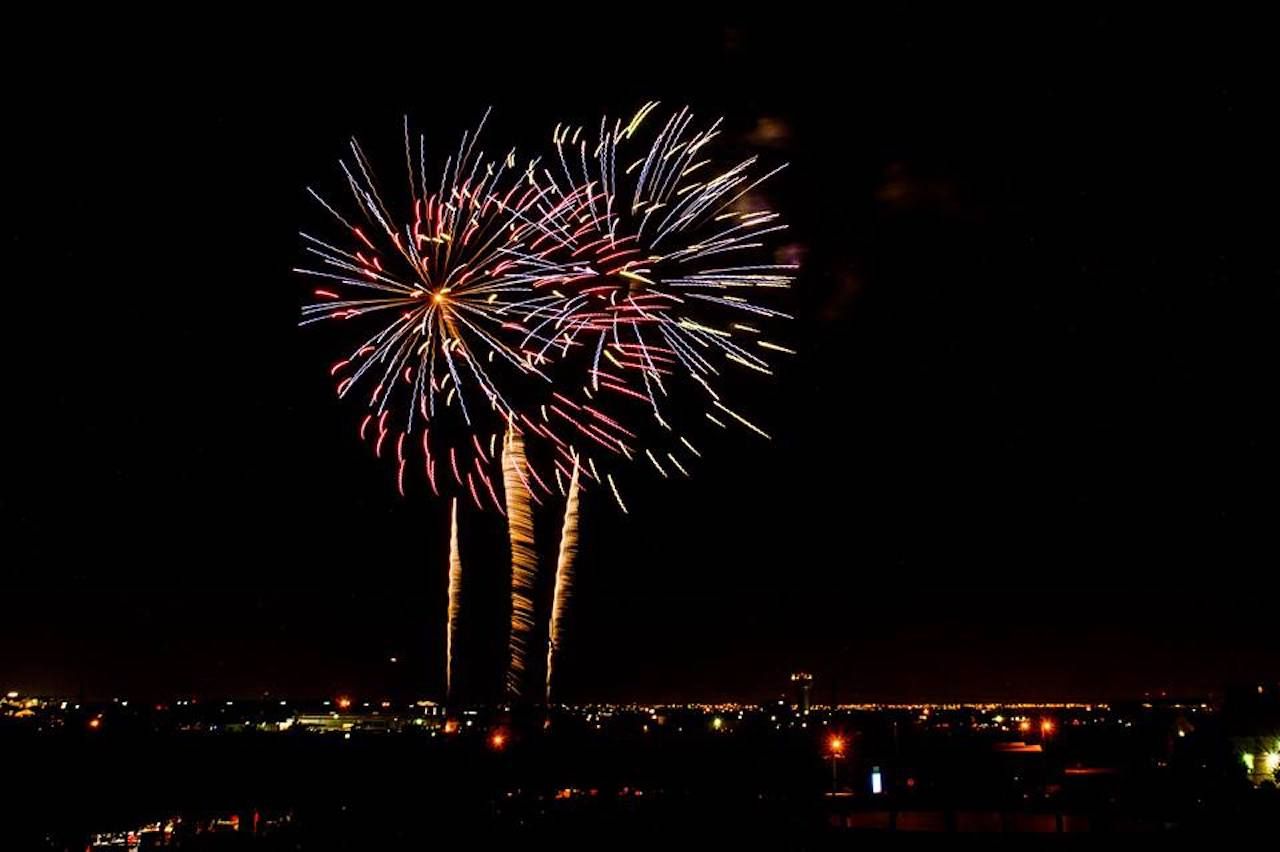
(564, 574)
(524, 559)
(455, 589)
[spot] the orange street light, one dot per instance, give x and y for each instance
(835, 751)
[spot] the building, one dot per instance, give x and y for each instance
(801, 686)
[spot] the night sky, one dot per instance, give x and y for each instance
(1028, 448)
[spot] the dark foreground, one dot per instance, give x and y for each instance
(376, 790)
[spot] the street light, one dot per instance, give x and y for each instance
(835, 750)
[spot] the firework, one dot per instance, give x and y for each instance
(454, 598)
(569, 300)
(564, 576)
(593, 305)
(664, 271)
(450, 348)
(524, 559)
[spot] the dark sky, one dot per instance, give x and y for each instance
(1028, 447)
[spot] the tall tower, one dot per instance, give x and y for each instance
(801, 684)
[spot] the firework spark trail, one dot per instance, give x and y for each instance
(524, 559)
(564, 575)
(455, 600)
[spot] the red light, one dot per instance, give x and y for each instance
(835, 744)
(498, 740)
(344, 703)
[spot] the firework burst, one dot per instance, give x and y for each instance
(568, 301)
(451, 350)
(663, 269)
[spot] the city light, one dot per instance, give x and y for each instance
(95, 724)
(835, 745)
(497, 740)
(1272, 761)
(717, 723)
(1047, 727)
(1024, 726)
(343, 702)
